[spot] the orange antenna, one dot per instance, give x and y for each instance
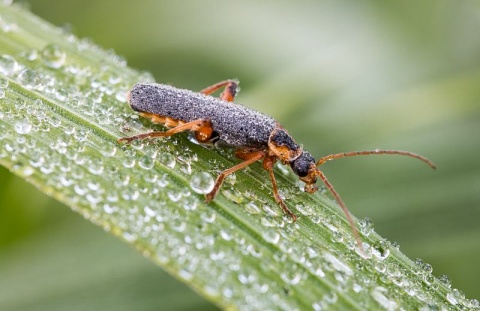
(324, 159)
(343, 206)
(353, 154)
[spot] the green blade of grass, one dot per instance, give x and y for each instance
(62, 108)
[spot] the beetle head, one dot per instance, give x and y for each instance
(282, 145)
(304, 166)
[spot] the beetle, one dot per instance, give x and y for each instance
(253, 135)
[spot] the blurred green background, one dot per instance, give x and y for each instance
(339, 75)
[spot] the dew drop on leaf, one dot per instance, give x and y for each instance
(202, 182)
(29, 79)
(23, 126)
(8, 65)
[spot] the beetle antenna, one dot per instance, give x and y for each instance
(343, 206)
(376, 151)
(353, 154)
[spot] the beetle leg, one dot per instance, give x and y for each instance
(268, 165)
(202, 128)
(249, 157)
(228, 93)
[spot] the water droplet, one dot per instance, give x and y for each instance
(174, 196)
(337, 237)
(53, 56)
(381, 249)
(291, 277)
(23, 126)
(202, 183)
(395, 245)
(8, 65)
(146, 162)
(7, 26)
(451, 298)
(234, 197)
(364, 252)
(337, 264)
(380, 267)
(217, 256)
(252, 208)
(475, 304)
(424, 267)
(129, 237)
(365, 225)
(225, 235)
(246, 277)
(167, 159)
(95, 167)
(379, 294)
(429, 279)
(271, 236)
(274, 212)
(445, 280)
(458, 296)
(4, 83)
(29, 79)
(30, 55)
(109, 209)
(304, 209)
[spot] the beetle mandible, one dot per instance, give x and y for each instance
(253, 135)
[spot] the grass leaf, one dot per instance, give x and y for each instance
(62, 108)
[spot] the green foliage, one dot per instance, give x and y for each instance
(63, 109)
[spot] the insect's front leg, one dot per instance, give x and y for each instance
(268, 163)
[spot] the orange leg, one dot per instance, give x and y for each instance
(268, 165)
(249, 157)
(202, 128)
(228, 94)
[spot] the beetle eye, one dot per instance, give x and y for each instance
(301, 165)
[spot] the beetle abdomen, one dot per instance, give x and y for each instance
(235, 125)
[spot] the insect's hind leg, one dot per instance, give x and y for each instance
(202, 128)
(228, 93)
